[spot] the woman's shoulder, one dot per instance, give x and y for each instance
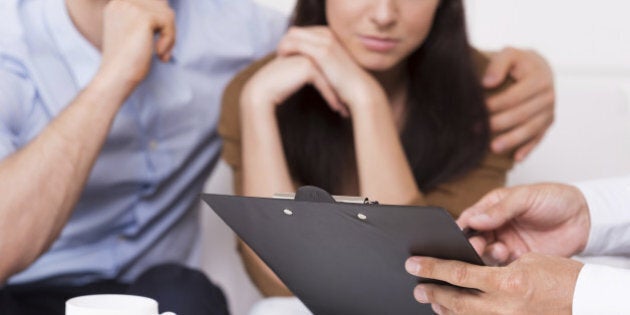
(230, 104)
(480, 60)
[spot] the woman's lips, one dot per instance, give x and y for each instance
(378, 44)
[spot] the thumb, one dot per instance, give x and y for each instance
(498, 68)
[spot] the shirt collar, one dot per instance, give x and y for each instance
(80, 56)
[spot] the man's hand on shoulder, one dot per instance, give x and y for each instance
(522, 114)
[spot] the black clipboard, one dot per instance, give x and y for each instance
(344, 258)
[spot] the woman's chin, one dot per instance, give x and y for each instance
(378, 66)
(377, 63)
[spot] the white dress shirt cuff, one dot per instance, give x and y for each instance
(609, 205)
(601, 290)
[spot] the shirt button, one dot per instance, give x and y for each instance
(153, 145)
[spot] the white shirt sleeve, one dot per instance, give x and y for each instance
(601, 290)
(609, 205)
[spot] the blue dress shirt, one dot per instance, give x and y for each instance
(139, 207)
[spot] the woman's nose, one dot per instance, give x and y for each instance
(384, 13)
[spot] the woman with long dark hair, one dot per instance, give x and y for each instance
(380, 99)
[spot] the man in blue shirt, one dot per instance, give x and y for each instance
(104, 148)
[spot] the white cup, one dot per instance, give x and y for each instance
(112, 304)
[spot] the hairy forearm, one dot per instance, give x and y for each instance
(42, 182)
(384, 172)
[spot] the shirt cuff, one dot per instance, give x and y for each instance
(609, 206)
(601, 290)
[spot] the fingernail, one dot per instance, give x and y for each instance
(489, 79)
(498, 146)
(412, 266)
(420, 294)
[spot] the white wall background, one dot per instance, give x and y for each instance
(587, 43)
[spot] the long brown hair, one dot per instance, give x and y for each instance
(446, 129)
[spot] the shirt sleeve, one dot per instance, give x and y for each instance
(609, 205)
(15, 91)
(269, 27)
(601, 290)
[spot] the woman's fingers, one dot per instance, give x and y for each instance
(328, 93)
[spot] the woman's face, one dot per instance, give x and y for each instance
(380, 34)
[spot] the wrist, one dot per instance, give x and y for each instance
(367, 97)
(368, 104)
(110, 88)
(253, 101)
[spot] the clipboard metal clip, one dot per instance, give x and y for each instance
(316, 194)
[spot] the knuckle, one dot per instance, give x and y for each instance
(498, 194)
(284, 44)
(496, 309)
(499, 102)
(328, 44)
(552, 97)
(518, 136)
(324, 52)
(437, 309)
(514, 282)
(461, 274)
(495, 125)
(543, 120)
(293, 31)
(430, 293)
(544, 83)
(547, 78)
(458, 305)
(428, 268)
(498, 123)
(170, 14)
(509, 50)
(504, 308)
